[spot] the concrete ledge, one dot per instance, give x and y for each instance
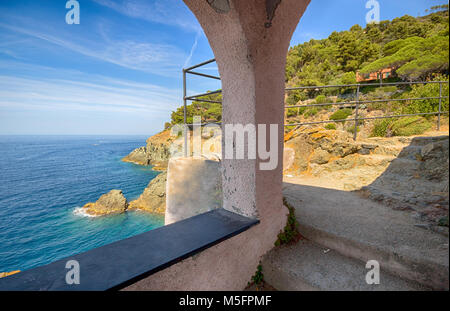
(119, 264)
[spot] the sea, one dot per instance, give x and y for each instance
(44, 182)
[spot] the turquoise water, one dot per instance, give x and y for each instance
(44, 179)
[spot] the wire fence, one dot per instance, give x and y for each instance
(356, 104)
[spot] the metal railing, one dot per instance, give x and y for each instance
(355, 104)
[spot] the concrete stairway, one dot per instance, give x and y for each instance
(343, 231)
(309, 266)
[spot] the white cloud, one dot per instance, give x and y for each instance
(193, 48)
(168, 12)
(155, 58)
(83, 92)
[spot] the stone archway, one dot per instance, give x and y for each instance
(250, 40)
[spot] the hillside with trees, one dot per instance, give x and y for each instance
(415, 48)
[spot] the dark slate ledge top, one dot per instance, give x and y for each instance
(116, 265)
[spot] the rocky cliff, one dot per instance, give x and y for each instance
(156, 152)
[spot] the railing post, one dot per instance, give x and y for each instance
(185, 115)
(440, 107)
(356, 114)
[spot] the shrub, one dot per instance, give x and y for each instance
(351, 129)
(311, 112)
(330, 126)
(409, 126)
(406, 126)
(321, 99)
(341, 114)
(293, 98)
(258, 277)
(427, 90)
(380, 127)
(292, 112)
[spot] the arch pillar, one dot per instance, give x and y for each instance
(250, 40)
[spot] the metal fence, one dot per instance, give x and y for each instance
(355, 104)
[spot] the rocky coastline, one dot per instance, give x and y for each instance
(370, 166)
(155, 153)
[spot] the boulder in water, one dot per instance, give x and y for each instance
(111, 203)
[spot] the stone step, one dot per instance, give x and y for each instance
(309, 266)
(365, 230)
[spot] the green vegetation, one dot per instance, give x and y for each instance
(351, 129)
(414, 58)
(290, 233)
(310, 112)
(405, 126)
(258, 277)
(426, 90)
(294, 97)
(341, 114)
(209, 112)
(380, 127)
(415, 47)
(409, 126)
(330, 126)
(292, 112)
(321, 99)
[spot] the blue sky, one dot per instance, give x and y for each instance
(119, 70)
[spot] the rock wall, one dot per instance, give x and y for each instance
(309, 148)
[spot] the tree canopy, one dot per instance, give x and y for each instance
(415, 47)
